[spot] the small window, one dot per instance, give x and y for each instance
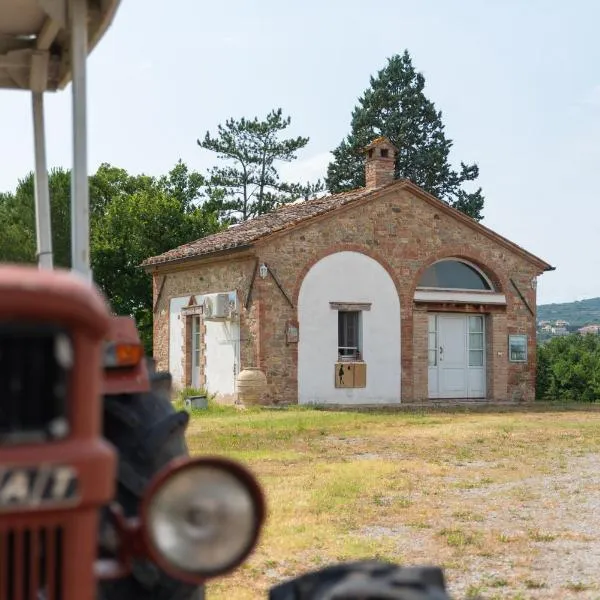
(517, 348)
(349, 335)
(453, 274)
(196, 341)
(384, 153)
(476, 341)
(432, 347)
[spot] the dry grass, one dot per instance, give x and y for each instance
(476, 493)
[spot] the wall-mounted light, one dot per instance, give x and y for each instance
(263, 271)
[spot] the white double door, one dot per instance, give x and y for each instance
(456, 356)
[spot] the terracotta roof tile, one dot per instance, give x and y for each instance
(249, 231)
(293, 214)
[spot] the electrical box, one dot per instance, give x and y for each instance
(350, 375)
(360, 375)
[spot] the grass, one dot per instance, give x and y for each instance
(412, 488)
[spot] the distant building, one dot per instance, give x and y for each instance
(561, 324)
(593, 329)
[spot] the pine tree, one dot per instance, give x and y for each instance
(395, 106)
(251, 186)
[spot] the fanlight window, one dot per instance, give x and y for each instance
(454, 274)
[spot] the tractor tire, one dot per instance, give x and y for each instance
(365, 580)
(147, 433)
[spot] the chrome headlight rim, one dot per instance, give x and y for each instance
(178, 467)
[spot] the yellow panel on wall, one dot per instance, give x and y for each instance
(360, 375)
(350, 375)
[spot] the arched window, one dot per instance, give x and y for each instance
(454, 274)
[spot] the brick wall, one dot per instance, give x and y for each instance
(216, 276)
(405, 234)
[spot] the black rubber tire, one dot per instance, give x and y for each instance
(148, 433)
(365, 580)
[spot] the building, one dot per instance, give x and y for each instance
(590, 329)
(380, 295)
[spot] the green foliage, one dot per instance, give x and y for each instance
(251, 186)
(144, 217)
(578, 313)
(132, 217)
(396, 106)
(568, 369)
(213, 407)
(17, 220)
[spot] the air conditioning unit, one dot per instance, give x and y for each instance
(217, 307)
(221, 306)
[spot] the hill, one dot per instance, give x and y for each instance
(580, 312)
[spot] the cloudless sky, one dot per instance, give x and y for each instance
(517, 81)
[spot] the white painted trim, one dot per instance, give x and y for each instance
(460, 297)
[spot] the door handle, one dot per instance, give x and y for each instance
(441, 353)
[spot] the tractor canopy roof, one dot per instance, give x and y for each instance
(35, 41)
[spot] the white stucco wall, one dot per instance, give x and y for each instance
(222, 356)
(176, 339)
(222, 348)
(348, 277)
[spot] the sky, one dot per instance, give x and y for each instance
(518, 84)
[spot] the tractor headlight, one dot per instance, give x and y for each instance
(202, 517)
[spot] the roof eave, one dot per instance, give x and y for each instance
(154, 266)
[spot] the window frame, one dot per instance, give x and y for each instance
(432, 319)
(491, 289)
(357, 355)
(515, 337)
(478, 332)
(196, 340)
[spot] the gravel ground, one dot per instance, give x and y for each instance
(550, 525)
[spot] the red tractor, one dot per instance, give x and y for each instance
(98, 496)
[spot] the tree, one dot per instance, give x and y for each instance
(251, 186)
(568, 368)
(17, 220)
(134, 227)
(395, 106)
(145, 216)
(184, 186)
(132, 217)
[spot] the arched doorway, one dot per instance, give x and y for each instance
(349, 321)
(457, 348)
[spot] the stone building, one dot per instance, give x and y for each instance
(380, 295)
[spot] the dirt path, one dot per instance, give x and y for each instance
(545, 532)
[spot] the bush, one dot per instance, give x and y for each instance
(568, 368)
(213, 405)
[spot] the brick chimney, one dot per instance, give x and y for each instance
(380, 162)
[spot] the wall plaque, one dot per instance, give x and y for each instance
(291, 332)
